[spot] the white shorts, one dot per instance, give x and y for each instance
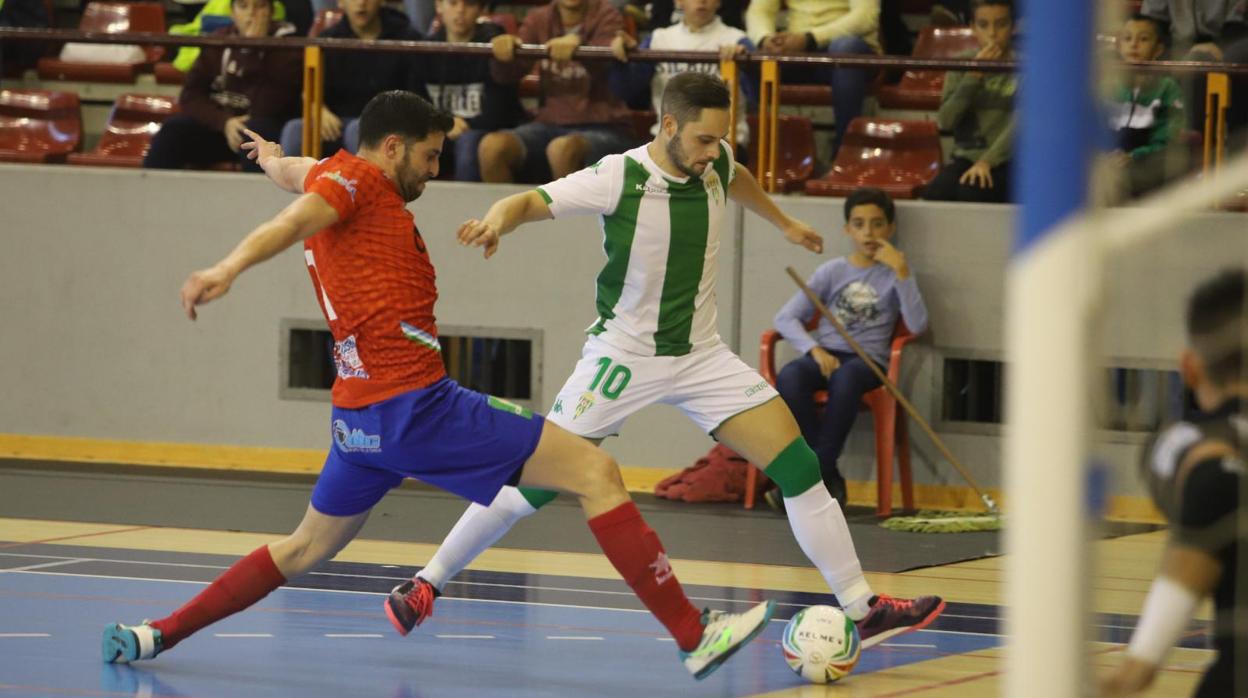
(608, 385)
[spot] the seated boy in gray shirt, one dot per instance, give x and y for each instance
(867, 290)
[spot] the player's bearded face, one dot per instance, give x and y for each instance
(696, 144)
(418, 165)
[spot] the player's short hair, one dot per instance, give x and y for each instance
(1159, 27)
(870, 195)
(687, 94)
(1216, 328)
(1009, 4)
(404, 114)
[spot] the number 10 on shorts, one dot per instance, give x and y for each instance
(614, 379)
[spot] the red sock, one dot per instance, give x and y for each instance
(248, 581)
(634, 548)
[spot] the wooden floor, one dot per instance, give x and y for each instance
(1124, 570)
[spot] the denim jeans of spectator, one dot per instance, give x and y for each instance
(292, 138)
(798, 382)
(849, 85)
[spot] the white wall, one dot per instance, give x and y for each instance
(94, 343)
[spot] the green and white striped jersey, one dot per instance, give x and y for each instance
(656, 294)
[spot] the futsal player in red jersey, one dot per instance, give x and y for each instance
(396, 414)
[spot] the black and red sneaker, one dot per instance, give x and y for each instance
(410, 603)
(890, 616)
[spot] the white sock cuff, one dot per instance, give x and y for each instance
(511, 506)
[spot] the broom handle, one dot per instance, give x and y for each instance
(901, 399)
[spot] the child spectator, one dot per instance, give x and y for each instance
(228, 90)
(473, 89)
(867, 291)
(579, 120)
(216, 14)
(354, 77)
(700, 29)
(979, 109)
(835, 27)
(1147, 112)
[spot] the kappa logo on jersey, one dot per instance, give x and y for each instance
(649, 189)
(349, 184)
(347, 359)
(558, 409)
(583, 405)
(355, 439)
(662, 569)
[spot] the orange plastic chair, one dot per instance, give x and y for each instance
(920, 89)
(899, 157)
(795, 151)
(135, 119)
(111, 18)
(39, 125)
(892, 432)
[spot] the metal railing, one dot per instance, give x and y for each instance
(1217, 92)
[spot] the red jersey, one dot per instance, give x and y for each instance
(375, 284)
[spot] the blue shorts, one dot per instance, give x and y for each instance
(464, 442)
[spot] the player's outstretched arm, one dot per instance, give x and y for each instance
(303, 218)
(746, 191)
(287, 173)
(1187, 575)
(503, 217)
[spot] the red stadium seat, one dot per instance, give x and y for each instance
(920, 89)
(795, 151)
(128, 135)
(166, 74)
(896, 156)
(324, 20)
(111, 18)
(39, 125)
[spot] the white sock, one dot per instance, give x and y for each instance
(822, 533)
(478, 529)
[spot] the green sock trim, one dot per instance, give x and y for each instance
(538, 498)
(796, 469)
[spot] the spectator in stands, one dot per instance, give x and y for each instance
(354, 77)
(700, 29)
(868, 290)
(217, 14)
(422, 14)
(579, 120)
(1214, 31)
(979, 109)
(228, 90)
(1147, 112)
(665, 13)
(836, 27)
(474, 89)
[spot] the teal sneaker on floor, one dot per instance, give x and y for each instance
(723, 634)
(123, 644)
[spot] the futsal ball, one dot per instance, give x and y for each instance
(821, 644)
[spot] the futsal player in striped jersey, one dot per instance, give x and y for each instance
(661, 207)
(395, 412)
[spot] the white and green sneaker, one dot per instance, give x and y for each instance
(723, 634)
(123, 644)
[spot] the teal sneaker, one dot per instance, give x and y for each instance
(129, 643)
(723, 634)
